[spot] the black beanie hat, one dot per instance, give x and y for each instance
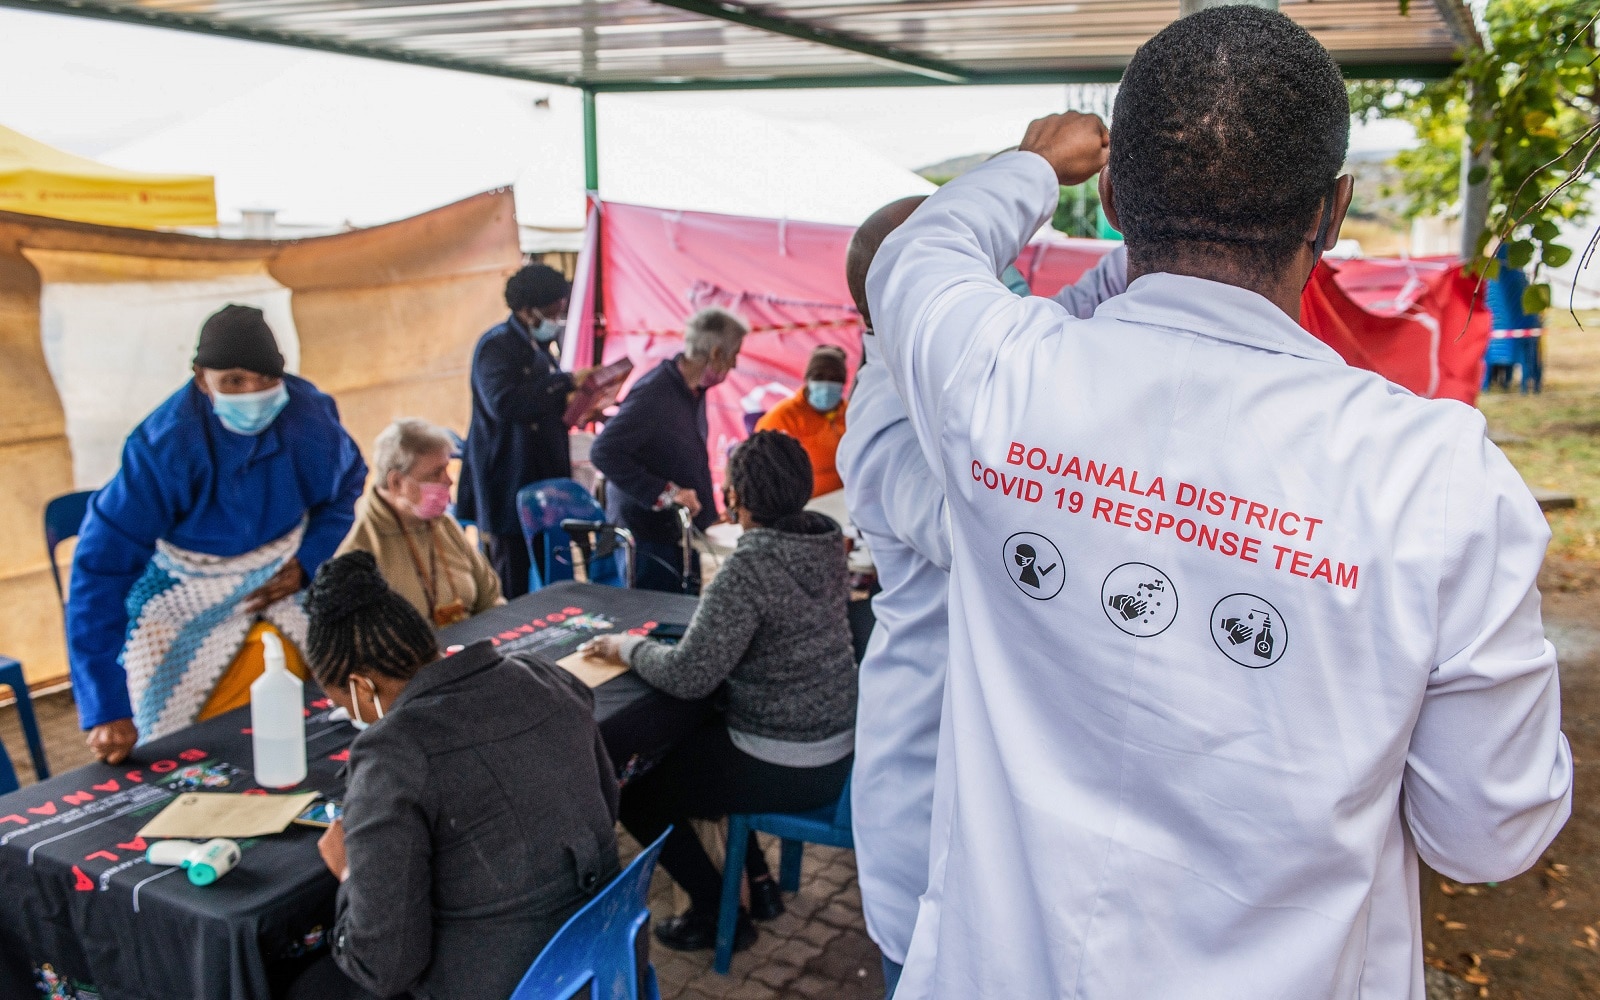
(536, 286)
(239, 337)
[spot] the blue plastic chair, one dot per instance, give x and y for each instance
(605, 946)
(8, 774)
(63, 516)
(829, 826)
(11, 677)
(542, 507)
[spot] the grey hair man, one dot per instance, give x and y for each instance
(653, 452)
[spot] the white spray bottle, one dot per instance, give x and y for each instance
(277, 720)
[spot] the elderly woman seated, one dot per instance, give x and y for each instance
(772, 637)
(421, 551)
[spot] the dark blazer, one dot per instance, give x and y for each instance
(517, 436)
(479, 817)
(657, 436)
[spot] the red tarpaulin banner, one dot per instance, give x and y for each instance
(1406, 320)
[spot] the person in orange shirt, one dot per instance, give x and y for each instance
(814, 416)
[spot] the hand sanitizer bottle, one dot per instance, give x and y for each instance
(278, 721)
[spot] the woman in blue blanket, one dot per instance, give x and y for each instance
(230, 495)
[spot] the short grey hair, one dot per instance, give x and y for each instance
(709, 329)
(403, 442)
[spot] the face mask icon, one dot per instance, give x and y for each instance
(1027, 560)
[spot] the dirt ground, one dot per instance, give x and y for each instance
(1537, 937)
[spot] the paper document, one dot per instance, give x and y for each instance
(592, 670)
(203, 815)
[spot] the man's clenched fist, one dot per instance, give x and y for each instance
(1075, 144)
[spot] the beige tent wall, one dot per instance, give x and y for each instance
(35, 465)
(387, 318)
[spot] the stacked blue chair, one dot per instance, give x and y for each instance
(542, 508)
(829, 826)
(605, 946)
(11, 677)
(63, 516)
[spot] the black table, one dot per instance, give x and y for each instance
(78, 902)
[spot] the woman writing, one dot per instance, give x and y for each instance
(480, 807)
(771, 631)
(403, 521)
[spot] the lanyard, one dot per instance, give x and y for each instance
(426, 577)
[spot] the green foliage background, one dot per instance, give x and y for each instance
(1531, 97)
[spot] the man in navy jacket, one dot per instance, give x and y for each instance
(517, 436)
(653, 452)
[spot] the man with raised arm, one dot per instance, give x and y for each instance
(1237, 632)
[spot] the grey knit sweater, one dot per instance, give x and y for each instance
(772, 626)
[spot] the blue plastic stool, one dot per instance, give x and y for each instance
(11, 677)
(829, 826)
(542, 507)
(605, 946)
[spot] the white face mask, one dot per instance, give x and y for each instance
(355, 707)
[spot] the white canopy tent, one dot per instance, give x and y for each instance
(327, 149)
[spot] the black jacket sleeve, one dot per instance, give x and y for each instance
(516, 391)
(383, 937)
(621, 452)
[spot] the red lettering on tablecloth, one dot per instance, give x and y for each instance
(77, 798)
(137, 777)
(14, 818)
(136, 844)
(341, 756)
(322, 703)
(81, 882)
(538, 623)
(556, 617)
(48, 809)
(572, 611)
(101, 854)
(254, 791)
(193, 755)
(508, 635)
(527, 629)
(108, 786)
(163, 766)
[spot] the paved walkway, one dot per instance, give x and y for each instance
(819, 948)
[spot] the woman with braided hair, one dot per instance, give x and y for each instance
(481, 804)
(771, 635)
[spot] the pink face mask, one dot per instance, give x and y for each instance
(713, 377)
(435, 500)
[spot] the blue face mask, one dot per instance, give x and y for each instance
(547, 330)
(824, 396)
(250, 413)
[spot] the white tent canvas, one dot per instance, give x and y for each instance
(326, 148)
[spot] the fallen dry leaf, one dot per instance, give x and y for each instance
(1454, 925)
(1501, 953)
(1448, 889)
(1559, 904)
(1476, 978)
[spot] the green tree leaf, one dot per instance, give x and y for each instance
(1519, 254)
(1555, 255)
(1536, 299)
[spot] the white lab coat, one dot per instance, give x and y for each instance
(898, 506)
(1123, 807)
